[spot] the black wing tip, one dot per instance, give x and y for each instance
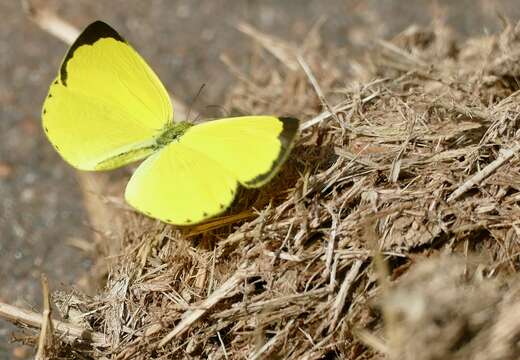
(290, 127)
(97, 23)
(95, 31)
(92, 33)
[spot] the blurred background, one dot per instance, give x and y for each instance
(42, 215)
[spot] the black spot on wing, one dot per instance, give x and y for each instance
(92, 33)
(286, 137)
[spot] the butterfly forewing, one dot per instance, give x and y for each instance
(106, 103)
(251, 147)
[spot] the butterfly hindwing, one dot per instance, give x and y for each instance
(106, 105)
(181, 186)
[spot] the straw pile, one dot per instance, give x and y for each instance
(392, 231)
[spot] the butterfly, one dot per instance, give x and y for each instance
(107, 108)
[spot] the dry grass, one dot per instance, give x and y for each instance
(349, 252)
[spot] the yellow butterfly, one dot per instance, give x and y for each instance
(107, 108)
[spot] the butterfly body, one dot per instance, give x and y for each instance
(107, 108)
(172, 133)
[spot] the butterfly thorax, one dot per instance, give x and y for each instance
(172, 132)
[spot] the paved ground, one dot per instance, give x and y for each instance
(40, 203)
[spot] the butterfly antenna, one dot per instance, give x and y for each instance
(222, 109)
(194, 101)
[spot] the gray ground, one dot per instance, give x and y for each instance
(40, 203)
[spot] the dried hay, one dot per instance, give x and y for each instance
(420, 160)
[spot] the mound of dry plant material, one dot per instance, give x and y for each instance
(419, 160)
(457, 313)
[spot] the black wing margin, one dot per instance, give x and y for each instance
(92, 33)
